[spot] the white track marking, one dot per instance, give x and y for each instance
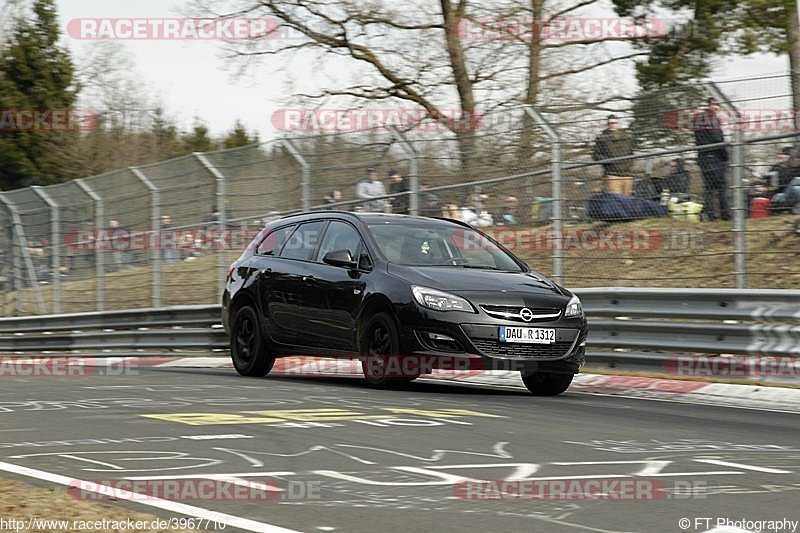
(744, 467)
(212, 476)
(166, 505)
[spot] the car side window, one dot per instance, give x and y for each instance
(340, 236)
(303, 241)
(274, 240)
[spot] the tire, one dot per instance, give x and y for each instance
(380, 340)
(546, 383)
(248, 348)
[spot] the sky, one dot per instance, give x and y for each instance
(194, 80)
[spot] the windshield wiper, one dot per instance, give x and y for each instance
(482, 267)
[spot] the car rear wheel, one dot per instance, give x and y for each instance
(547, 383)
(380, 342)
(248, 349)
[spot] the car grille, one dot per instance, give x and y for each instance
(513, 313)
(493, 348)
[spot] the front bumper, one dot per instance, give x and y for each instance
(477, 345)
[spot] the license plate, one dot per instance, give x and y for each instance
(527, 335)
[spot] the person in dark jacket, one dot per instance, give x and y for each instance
(615, 142)
(677, 181)
(783, 169)
(712, 160)
(397, 184)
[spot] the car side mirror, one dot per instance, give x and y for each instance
(340, 258)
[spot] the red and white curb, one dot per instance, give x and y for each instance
(697, 392)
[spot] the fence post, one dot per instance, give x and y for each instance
(556, 191)
(99, 215)
(737, 187)
(222, 223)
(306, 183)
(155, 227)
(413, 171)
(22, 243)
(55, 245)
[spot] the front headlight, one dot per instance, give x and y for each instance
(574, 308)
(440, 301)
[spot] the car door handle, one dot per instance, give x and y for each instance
(308, 280)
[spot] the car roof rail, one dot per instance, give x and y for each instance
(336, 211)
(455, 220)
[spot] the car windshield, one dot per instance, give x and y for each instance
(440, 245)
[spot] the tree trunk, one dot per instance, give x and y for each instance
(534, 49)
(465, 126)
(793, 36)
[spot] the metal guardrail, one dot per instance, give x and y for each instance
(627, 327)
(689, 304)
(164, 317)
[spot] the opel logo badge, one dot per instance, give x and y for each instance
(526, 314)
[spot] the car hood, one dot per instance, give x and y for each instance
(465, 280)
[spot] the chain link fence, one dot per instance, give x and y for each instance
(633, 208)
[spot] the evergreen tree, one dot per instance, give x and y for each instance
(239, 137)
(197, 140)
(714, 28)
(36, 73)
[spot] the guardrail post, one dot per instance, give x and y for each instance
(556, 190)
(22, 243)
(55, 245)
(306, 183)
(737, 187)
(222, 224)
(413, 172)
(100, 271)
(155, 228)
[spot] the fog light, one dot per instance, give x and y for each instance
(439, 342)
(440, 337)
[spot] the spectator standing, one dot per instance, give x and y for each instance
(370, 188)
(117, 237)
(168, 241)
(712, 161)
(397, 184)
(611, 143)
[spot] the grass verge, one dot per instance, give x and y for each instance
(22, 502)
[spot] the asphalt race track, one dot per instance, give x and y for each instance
(341, 457)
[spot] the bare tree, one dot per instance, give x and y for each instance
(435, 55)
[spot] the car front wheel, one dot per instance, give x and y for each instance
(379, 346)
(547, 383)
(248, 349)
